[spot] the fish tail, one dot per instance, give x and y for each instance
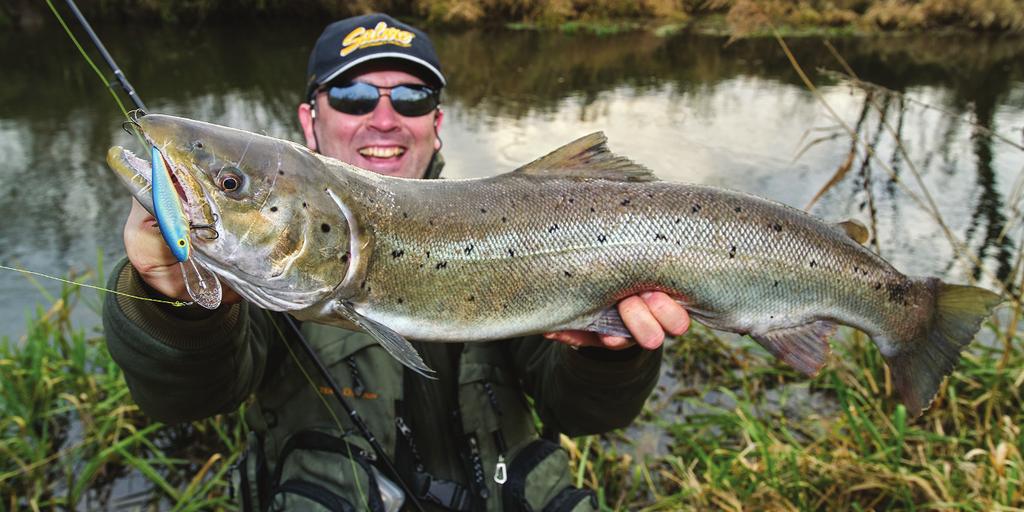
(921, 364)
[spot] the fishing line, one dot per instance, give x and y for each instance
(89, 60)
(175, 303)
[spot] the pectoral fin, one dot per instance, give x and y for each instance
(804, 347)
(394, 343)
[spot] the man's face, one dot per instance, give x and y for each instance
(382, 141)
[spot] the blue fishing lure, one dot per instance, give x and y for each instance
(167, 208)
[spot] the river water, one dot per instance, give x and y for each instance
(692, 108)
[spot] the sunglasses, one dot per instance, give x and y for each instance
(359, 98)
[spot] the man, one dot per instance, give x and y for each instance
(466, 441)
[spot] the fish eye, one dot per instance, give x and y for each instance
(229, 182)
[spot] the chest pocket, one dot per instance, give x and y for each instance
(314, 464)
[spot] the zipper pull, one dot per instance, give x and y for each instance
(500, 471)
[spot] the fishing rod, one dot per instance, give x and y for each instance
(306, 347)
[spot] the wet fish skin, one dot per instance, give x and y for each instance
(551, 246)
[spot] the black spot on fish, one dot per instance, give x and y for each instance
(567, 273)
(273, 208)
(571, 200)
(325, 227)
(504, 306)
(678, 221)
(771, 317)
(281, 173)
(439, 266)
(775, 284)
(428, 255)
(503, 219)
(660, 236)
(695, 208)
(471, 298)
(344, 258)
(430, 222)
(898, 291)
(511, 253)
(405, 215)
(401, 300)
(362, 285)
(483, 210)
(732, 251)
(878, 286)
(777, 227)
(592, 209)
(397, 253)
(738, 209)
(552, 228)
(625, 202)
(813, 263)
(650, 195)
(468, 249)
(304, 205)
(602, 238)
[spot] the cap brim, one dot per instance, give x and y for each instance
(383, 55)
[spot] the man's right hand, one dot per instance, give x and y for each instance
(151, 257)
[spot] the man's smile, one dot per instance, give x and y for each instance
(381, 151)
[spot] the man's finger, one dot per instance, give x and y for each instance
(646, 329)
(673, 318)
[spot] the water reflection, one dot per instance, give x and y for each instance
(691, 108)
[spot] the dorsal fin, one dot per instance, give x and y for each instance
(855, 230)
(587, 157)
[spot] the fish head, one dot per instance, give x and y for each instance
(258, 214)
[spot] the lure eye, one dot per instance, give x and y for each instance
(181, 242)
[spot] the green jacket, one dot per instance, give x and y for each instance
(183, 364)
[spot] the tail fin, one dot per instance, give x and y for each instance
(918, 370)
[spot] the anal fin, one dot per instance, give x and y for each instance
(394, 343)
(804, 347)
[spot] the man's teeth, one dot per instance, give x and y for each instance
(382, 152)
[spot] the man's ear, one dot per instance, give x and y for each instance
(306, 118)
(438, 118)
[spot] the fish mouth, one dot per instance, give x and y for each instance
(136, 174)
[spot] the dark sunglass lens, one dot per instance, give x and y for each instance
(356, 98)
(413, 101)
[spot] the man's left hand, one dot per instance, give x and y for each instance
(648, 316)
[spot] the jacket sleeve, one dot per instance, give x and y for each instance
(183, 363)
(585, 391)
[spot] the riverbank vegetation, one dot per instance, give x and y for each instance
(736, 17)
(728, 428)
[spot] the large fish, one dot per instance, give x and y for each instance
(552, 245)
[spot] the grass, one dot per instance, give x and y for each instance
(603, 16)
(69, 430)
(762, 444)
(738, 431)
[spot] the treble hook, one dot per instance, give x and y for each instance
(131, 127)
(206, 228)
(135, 114)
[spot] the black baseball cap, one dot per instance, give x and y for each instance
(350, 42)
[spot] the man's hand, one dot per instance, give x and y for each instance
(151, 257)
(649, 316)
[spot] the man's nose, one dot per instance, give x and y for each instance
(384, 117)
